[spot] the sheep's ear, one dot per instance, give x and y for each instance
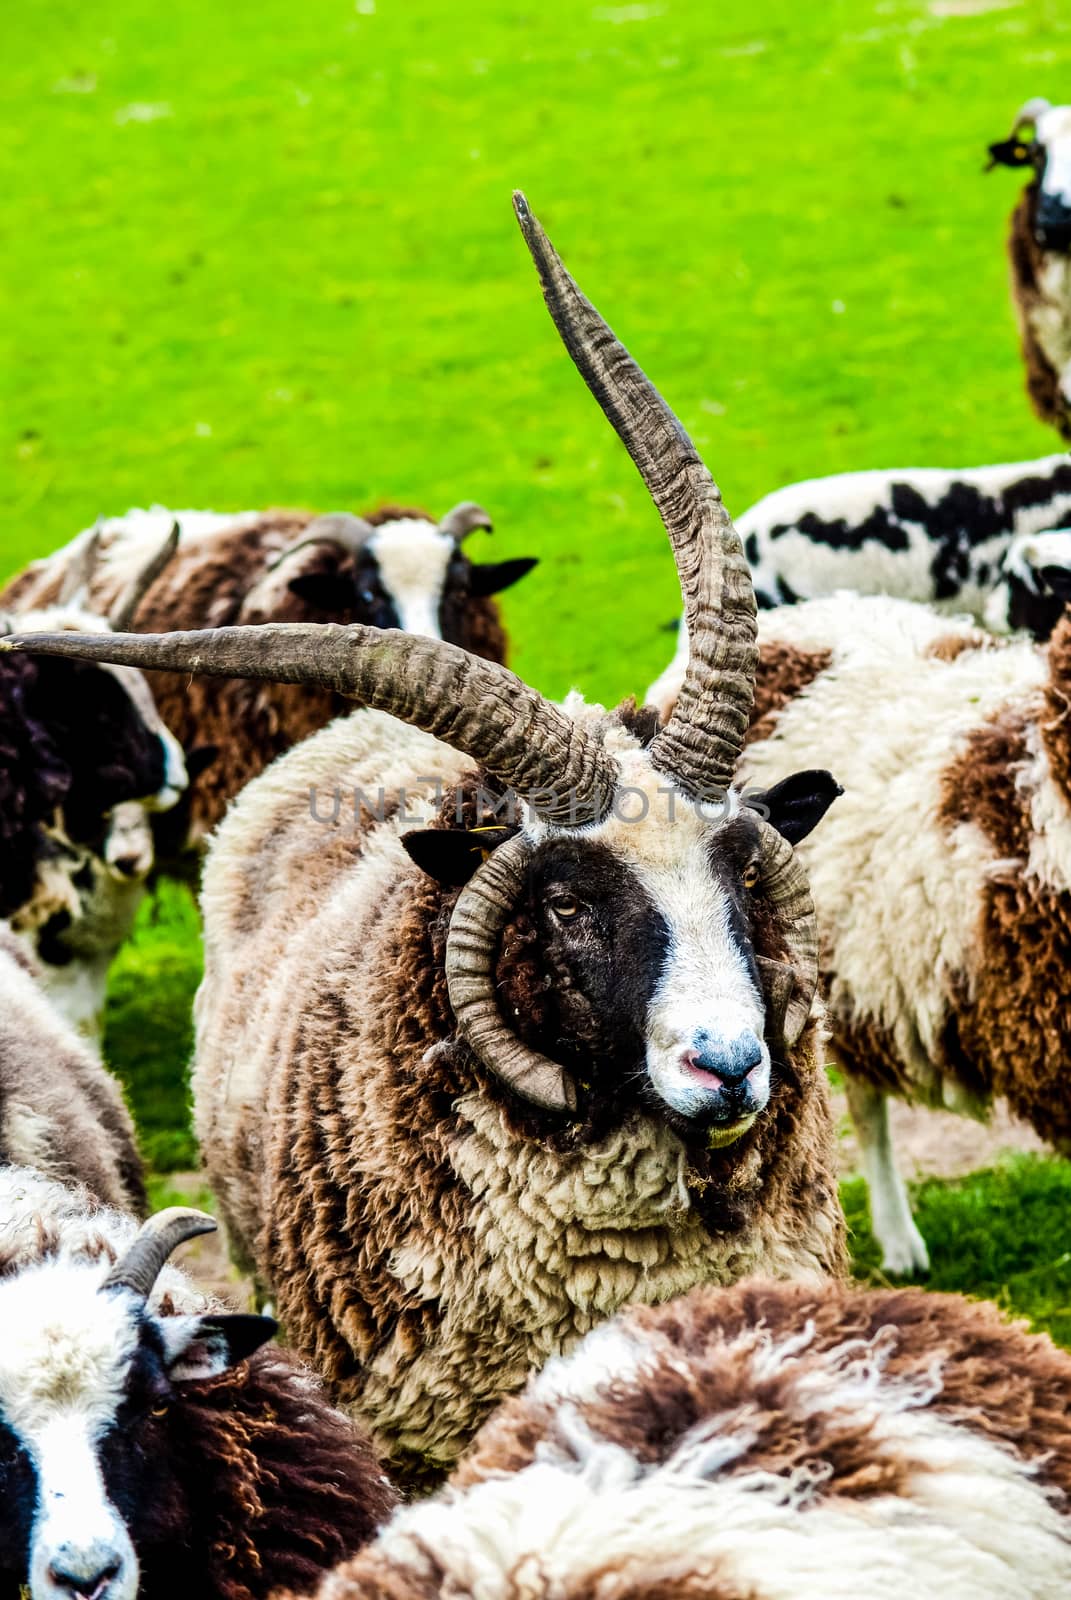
(202, 1347)
(1056, 580)
(1010, 153)
(491, 577)
(325, 590)
(796, 805)
(451, 855)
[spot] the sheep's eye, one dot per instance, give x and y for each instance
(366, 597)
(158, 1411)
(565, 906)
(751, 875)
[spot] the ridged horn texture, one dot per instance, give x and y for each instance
(785, 887)
(478, 707)
(340, 528)
(140, 1267)
(701, 742)
(462, 519)
(483, 908)
(122, 613)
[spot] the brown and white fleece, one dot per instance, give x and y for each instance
(61, 1111)
(942, 878)
(224, 573)
(765, 1442)
(429, 1240)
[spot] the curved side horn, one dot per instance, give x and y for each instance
(479, 707)
(76, 579)
(1030, 111)
(701, 742)
(140, 1267)
(785, 887)
(122, 613)
(482, 910)
(463, 518)
(350, 533)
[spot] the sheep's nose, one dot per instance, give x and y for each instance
(730, 1060)
(1053, 224)
(84, 1580)
(128, 866)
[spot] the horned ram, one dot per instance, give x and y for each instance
(395, 568)
(943, 878)
(769, 1441)
(151, 1444)
(464, 1089)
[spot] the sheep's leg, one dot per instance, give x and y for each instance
(903, 1247)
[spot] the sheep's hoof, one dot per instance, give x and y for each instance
(906, 1256)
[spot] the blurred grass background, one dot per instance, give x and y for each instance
(254, 255)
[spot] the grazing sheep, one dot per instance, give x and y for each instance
(1039, 250)
(84, 761)
(60, 1111)
(393, 569)
(966, 540)
(943, 878)
(149, 1444)
(454, 1130)
(770, 1441)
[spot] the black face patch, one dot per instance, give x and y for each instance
(580, 967)
(1036, 613)
(112, 755)
(18, 1505)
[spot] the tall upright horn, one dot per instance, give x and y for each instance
(76, 578)
(157, 1237)
(340, 528)
(462, 519)
(479, 707)
(701, 742)
(123, 612)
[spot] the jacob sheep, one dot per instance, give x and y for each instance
(982, 539)
(392, 569)
(943, 879)
(149, 1444)
(85, 760)
(1039, 251)
(769, 1441)
(60, 1110)
(465, 1089)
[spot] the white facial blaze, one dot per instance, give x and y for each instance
(1053, 130)
(413, 558)
(705, 1000)
(64, 1354)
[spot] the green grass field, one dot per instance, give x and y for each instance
(252, 255)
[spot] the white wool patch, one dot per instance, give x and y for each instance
(1053, 129)
(899, 898)
(413, 557)
(1049, 860)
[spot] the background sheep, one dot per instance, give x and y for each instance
(1039, 250)
(84, 761)
(392, 569)
(943, 878)
(774, 1441)
(60, 1111)
(149, 1444)
(982, 540)
(455, 1130)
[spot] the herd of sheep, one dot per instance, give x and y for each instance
(510, 1067)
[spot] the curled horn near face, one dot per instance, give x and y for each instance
(693, 857)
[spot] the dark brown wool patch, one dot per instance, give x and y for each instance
(1024, 255)
(784, 671)
(1015, 1029)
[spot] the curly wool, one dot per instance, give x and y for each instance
(766, 1442)
(428, 1239)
